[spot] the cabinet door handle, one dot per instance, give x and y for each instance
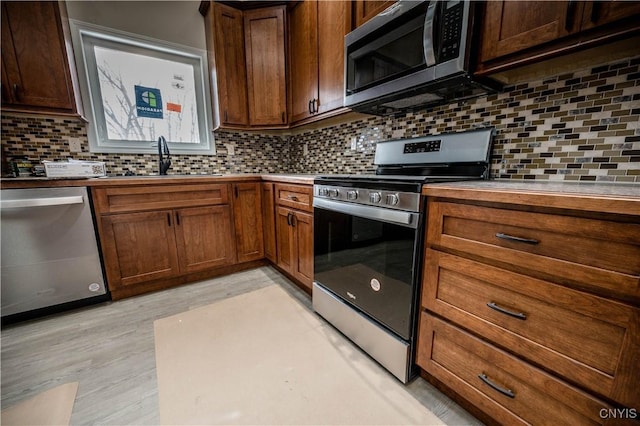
(293, 219)
(16, 94)
(310, 108)
(502, 390)
(178, 219)
(518, 239)
(495, 307)
(225, 116)
(568, 22)
(313, 106)
(292, 197)
(283, 116)
(235, 190)
(169, 219)
(289, 218)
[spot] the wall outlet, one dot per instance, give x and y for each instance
(353, 143)
(230, 149)
(305, 150)
(75, 146)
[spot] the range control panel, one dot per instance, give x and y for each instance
(409, 201)
(418, 147)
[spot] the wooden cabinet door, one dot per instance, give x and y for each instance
(139, 247)
(269, 222)
(367, 9)
(204, 238)
(230, 64)
(34, 56)
(334, 22)
(265, 56)
(598, 13)
(513, 26)
(303, 58)
(303, 246)
(285, 239)
(247, 213)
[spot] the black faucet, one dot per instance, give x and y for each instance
(164, 157)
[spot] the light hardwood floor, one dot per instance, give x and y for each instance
(109, 349)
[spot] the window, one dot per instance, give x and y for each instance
(137, 89)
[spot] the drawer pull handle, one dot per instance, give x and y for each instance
(518, 239)
(292, 197)
(502, 310)
(504, 391)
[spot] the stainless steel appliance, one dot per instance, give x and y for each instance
(368, 238)
(415, 53)
(50, 257)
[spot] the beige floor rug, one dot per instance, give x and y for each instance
(52, 407)
(262, 358)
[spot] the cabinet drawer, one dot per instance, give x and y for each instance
(597, 254)
(586, 339)
(153, 197)
(295, 196)
(508, 389)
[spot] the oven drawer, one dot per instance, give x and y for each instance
(584, 338)
(295, 196)
(506, 388)
(597, 254)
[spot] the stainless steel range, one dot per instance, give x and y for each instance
(368, 239)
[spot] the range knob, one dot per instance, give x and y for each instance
(323, 192)
(375, 197)
(333, 192)
(352, 195)
(392, 199)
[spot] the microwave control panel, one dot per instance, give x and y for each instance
(450, 30)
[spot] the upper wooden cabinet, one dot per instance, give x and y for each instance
(36, 72)
(367, 9)
(316, 61)
(246, 50)
(517, 33)
(230, 65)
(265, 56)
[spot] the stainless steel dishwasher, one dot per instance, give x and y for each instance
(50, 258)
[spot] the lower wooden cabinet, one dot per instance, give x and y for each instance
(289, 214)
(141, 247)
(156, 236)
(138, 247)
(204, 238)
(530, 308)
(247, 214)
(512, 391)
(294, 238)
(269, 222)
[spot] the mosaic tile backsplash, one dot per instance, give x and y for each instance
(577, 126)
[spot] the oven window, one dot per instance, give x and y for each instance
(368, 263)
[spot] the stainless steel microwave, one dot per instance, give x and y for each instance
(415, 53)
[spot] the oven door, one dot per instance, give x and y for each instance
(368, 257)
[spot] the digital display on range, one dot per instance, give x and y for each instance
(419, 147)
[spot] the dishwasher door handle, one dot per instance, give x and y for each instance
(41, 202)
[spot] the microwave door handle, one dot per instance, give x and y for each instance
(427, 36)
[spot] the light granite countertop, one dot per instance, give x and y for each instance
(43, 182)
(585, 196)
(582, 188)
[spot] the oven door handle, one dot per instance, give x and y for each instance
(397, 217)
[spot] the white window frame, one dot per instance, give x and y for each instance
(85, 36)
